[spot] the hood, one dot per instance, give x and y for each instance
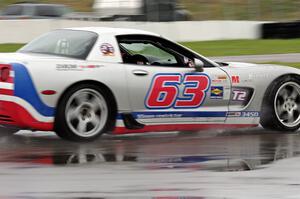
(257, 72)
(261, 67)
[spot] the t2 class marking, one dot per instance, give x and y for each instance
(239, 95)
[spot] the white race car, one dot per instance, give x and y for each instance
(83, 82)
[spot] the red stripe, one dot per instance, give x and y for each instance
(6, 92)
(21, 117)
(181, 127)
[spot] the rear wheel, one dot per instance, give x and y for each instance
(281, 106)
(85, 113)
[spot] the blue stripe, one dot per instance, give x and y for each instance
(175, 114)
(25, 89)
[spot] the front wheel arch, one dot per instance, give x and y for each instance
(267, 120)
(274, 81)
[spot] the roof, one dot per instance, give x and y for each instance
(114, 31)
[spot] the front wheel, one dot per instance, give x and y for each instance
(281, 106)
(84, 113)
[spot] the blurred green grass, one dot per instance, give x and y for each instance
(245, 47)
(10, 47)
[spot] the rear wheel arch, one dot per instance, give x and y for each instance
(101, 86)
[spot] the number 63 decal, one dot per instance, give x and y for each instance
(164, 91)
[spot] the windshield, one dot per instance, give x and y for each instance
(65, 43)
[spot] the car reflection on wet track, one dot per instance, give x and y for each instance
(225, 151)
(209, 164)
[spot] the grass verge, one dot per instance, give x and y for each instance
(245, 47)
(10, 47)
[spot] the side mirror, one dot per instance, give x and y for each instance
(199, 65)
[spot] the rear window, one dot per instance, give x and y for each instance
(13, 10)
(65, 43)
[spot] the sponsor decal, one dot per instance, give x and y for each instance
(239, 95)
(107, 49)
(260, 75)
(217, 92)
(234, 114)
(216, 81)
(220, 79)
(75, 67)
(177, 114)
(144, 116)
(164, 91)
(66, 67)
(235, 79)
(243, 114)
(90, 66)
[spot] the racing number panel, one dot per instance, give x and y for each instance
(173, 93)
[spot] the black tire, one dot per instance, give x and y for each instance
(271, 117)
(67, 130)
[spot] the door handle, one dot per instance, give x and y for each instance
(140, 72)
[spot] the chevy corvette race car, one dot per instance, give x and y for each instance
(84, 82)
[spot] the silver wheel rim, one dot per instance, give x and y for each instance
(86, 113)
(287, 104)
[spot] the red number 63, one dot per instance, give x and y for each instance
(165, 93)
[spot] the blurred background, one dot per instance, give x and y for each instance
(158, 10)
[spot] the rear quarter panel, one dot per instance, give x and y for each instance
(59, 75)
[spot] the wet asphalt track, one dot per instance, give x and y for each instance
(209, 164)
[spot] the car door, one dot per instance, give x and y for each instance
(164, 89)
